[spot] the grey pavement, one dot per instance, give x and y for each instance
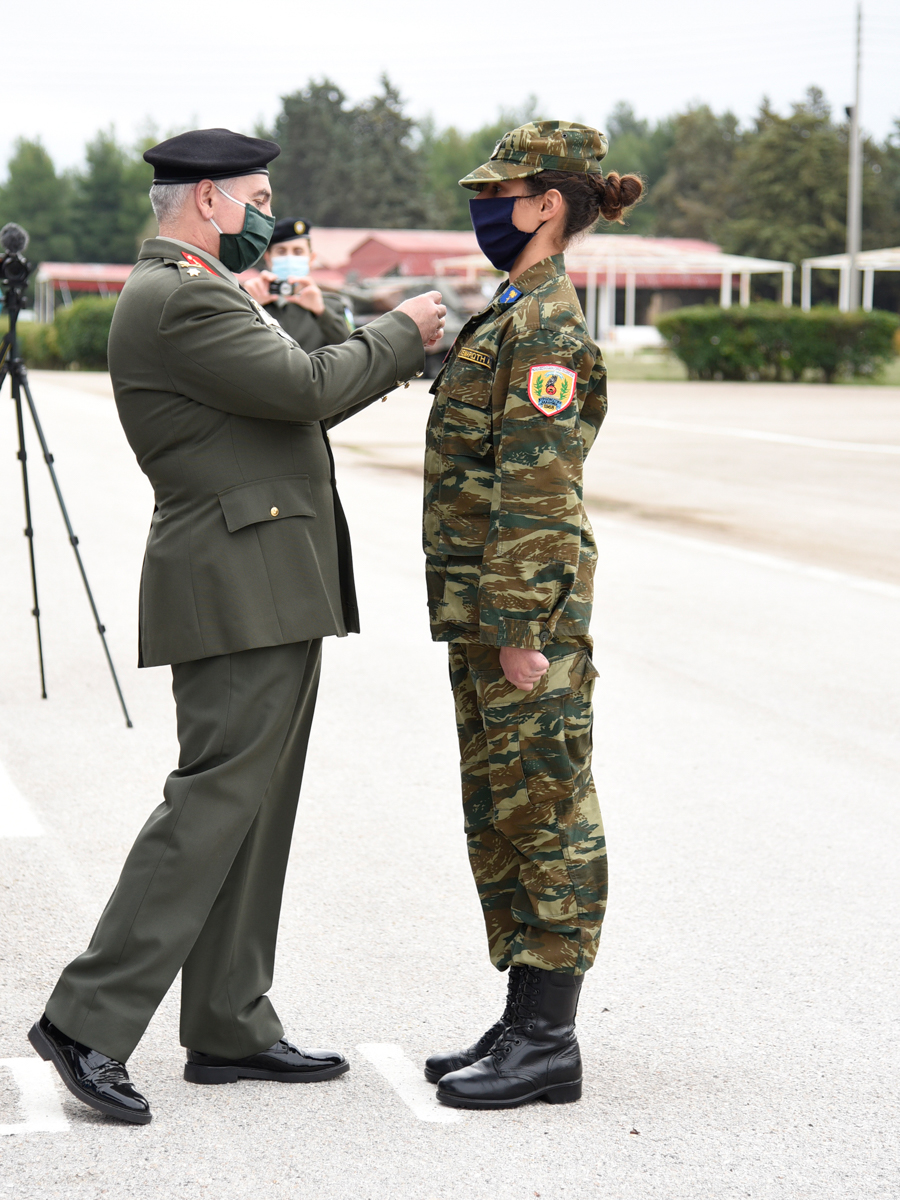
(740, 1028)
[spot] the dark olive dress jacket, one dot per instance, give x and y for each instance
(248, 545)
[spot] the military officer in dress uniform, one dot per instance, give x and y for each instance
(510, 561)
(312, 317)
(247, 568)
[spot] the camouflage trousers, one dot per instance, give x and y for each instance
(532, 819)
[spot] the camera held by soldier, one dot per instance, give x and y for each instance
(291, 273)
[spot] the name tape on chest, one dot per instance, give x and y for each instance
(551, 389)
(480, 357)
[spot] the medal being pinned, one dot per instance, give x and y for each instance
(551, 389)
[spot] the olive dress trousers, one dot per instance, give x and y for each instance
(201, 888)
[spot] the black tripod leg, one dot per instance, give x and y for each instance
(29, 529)
(48, 459)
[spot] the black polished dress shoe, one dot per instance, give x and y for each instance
(439, 1065)
(282, 1062)
(537, 1056)
(92, 1077)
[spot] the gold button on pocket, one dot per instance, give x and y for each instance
(273, 511)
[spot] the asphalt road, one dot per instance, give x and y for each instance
(740, 1029)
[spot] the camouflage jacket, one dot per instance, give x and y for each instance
(510, 553)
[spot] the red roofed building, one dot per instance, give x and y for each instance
(101, 279)
(406, 251)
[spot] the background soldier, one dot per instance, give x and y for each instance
(510, 565)
(247, 568)
(312, 317)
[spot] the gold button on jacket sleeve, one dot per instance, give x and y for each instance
(274, 511)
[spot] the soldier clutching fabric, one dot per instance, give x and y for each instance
(510, 560)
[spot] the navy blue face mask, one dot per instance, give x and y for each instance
(501, 243)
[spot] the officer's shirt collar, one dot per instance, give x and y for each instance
(174, 248)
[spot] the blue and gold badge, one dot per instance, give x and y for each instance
(510, 296)
(551, 389)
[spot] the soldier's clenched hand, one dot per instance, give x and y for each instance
(523, 668)
(428, 313)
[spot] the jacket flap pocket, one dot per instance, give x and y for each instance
(468, 383)
(266, 500)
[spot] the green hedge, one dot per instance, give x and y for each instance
(82, 331)
(76, 338)
(37, 344)
(768, 341)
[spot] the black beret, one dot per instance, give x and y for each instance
(209, 154)
(288, 228)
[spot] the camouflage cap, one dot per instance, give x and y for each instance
(541, 146)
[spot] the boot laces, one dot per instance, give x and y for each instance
(524, 1005)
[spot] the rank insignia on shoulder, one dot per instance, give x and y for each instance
(480, 357)
(510, 296)
(551, 389)
(191, 260)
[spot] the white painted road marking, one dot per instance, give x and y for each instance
(408, 1082)
(760, 435)
(772, 561)
(36, 1081)
(16, 817)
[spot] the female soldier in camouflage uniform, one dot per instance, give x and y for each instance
(510, 559)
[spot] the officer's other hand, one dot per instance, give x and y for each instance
(523, 668)
(258, 287)
(428, 313)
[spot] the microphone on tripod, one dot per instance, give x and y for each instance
(14, 267)
(13, 238)
(14, 271)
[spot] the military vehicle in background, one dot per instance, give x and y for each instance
(369, 298)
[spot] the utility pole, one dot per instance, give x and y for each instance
(854, 183)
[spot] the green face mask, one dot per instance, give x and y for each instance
(238, 251)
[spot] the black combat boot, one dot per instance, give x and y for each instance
(536, 1056)
(439, 1065)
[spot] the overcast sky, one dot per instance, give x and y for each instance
(70, 69)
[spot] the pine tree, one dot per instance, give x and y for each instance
(343, 166)
(695, 196)
(39, 200)
(790, 177)
(111, 202)
(637, 148)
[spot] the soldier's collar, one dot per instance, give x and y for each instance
(175, 250)
(529, 281)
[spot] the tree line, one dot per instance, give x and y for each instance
(775, 188)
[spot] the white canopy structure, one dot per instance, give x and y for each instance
(604, 266)
(867, 261)
(602, 263)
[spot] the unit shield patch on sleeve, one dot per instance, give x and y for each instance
(551, 389)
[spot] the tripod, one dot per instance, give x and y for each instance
(14, 272)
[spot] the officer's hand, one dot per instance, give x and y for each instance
(258, 287)
(428, 313)
(308, 297)
(523, 668)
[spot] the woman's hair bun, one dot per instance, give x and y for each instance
(616, 193)
(588, 196)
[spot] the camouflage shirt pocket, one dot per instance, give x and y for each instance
(466, 460)
(467, 414)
